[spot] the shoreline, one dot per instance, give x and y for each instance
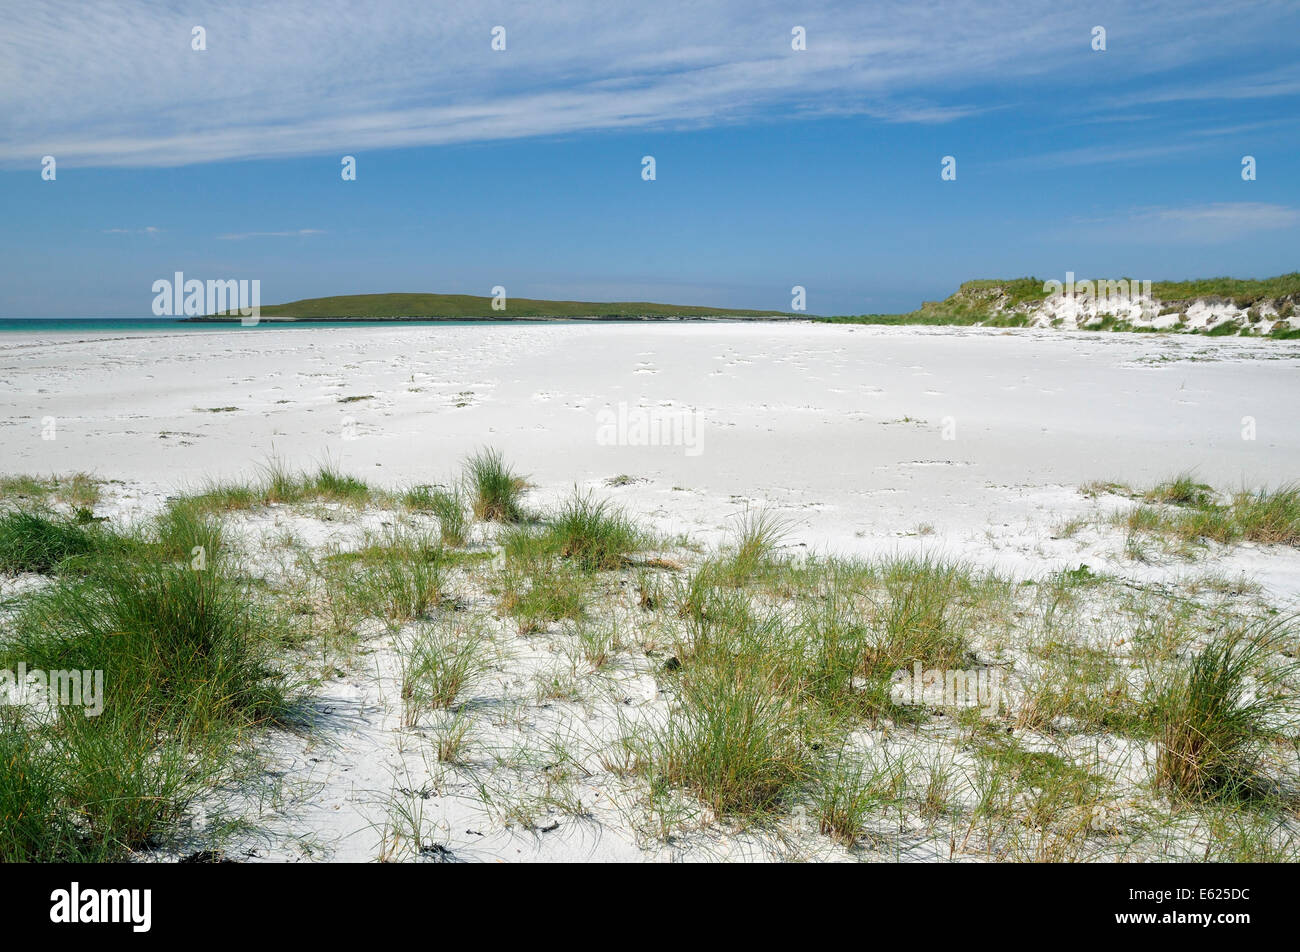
(498, 319)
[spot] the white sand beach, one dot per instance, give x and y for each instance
(841, 427)
(972, 444)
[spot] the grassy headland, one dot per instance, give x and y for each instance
(1015, 303)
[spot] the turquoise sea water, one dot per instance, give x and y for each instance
(117, 325)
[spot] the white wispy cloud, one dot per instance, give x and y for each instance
(1207, 223)
(146, 230)
(1159, 141)
(1281, 81)
(299, 233)
(1221, 219)
(116, 83)
(1125, 151)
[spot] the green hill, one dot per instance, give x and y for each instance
(432, 307)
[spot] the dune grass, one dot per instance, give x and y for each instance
(185, 532)
(34, 823)
(449, 508)
(1218, 712)
(772, 671)
(539, 593)
(1269, 517)
(928, 609)
(77, 490)
(594, 534)
(333, 485)
(495, 489)
(189, 661)
(550, 565)
(275, 484)
(749, 553)
(439, 664)
(985, 301)
(1182, 490)
(756, 538)
(847, 791)
(170, 637)
(397, 575)
(1035, 805)
(730, 741)
(35, 541)
(1191, 512)
(760, 690)
(1244, 292)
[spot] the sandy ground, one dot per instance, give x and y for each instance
(843, 428)
(970, 443)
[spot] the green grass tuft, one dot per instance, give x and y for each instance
(731, 740)
(189, 663)
(1218, 711)
(1267, 517)
(1182, 490)
(439, 664)
(32, 541)
(594, 534)
(495, 489)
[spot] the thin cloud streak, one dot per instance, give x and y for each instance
(300, 233)
(1208, 223)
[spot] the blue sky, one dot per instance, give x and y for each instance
(522, 168)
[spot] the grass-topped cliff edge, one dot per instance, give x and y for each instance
(1215, 306)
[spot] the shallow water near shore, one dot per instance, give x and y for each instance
(153, 325)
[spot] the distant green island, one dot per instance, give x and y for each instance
(462, 307)
(1217, 307)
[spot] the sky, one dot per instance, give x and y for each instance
(774, 166)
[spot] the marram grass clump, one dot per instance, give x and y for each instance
(1218, 712)
(189, 653)
(495, 489)
(594, 534)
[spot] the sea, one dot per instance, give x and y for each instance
(134, 325)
